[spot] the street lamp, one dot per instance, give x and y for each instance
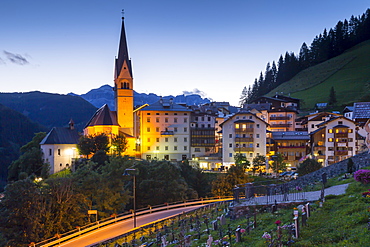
(126, 173)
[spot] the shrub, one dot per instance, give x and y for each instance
(362, 176)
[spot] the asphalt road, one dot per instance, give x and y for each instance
(122, 227)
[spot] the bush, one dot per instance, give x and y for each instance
(362, 176)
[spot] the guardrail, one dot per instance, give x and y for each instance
(60, 238)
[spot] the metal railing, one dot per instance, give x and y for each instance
(60, 238)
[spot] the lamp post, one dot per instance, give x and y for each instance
(126, 173)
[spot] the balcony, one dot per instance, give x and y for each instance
(280, 125)
(244, 139)
(243, 130)
(341, 152)
(280, 118)
(339, 135)
(243, 149)
(291, 146)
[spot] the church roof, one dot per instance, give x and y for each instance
(61, 135)
(122, 53)
(103, 116)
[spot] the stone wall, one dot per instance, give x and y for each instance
(334, 170)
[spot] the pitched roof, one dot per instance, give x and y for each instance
(103, 116)
(61, 135)
(361, 110)
(123, 53)
(290, 135)
(165, 105)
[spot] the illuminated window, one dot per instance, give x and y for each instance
(330, 131)
(330, 139)
(236, 126)
(157, 129)
(350, 130)
(148, 139)
(148, 148)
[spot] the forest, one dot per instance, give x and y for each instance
(324, 46)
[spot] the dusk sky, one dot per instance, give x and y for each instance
(212, 46)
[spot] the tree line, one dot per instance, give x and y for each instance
(325, 46)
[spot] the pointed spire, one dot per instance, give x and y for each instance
(123, 57)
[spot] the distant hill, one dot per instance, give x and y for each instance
(16, 130)
(50, 110)
(348, 73)
(105, 95)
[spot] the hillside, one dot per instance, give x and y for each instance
(50, 110)
(15, 131)
(348, 73)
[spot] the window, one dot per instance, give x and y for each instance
(175, 139)
(185, 120)
(196, 149)
(175, 148)
(148, 129)
(157, 148)
(50, 152)
(175, 129)
(175, 120)
(166, 120)
(330, 139)
(148, 148)
(157, 139)
(250, 117)
(258, 126)
(350, 130)
(230, 145)
(157, 129)
(237, 126)
(185, 148)
(203, 118)
(166, 139)
(251, 155)
(148, 113)
(257, 145)
(58, 151)
(156, 113)
(166, 157)
(312, 126)
(185, 129)
(157, 119)
(148, 119)
(185, 139)
(196, 118)
(166, 113)
(257, 135)
(175, 113)
(148, 157)
(183, 157)
(230, 135)
(148, 139)
(185, 114)
(340, 122)
(209, 119)
(166, 148)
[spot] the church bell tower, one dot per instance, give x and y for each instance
(123, 87)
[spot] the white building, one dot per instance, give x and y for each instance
(59, 147)
(243, 133)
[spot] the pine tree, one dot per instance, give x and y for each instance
(332, 97)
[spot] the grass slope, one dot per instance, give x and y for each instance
(348, 73)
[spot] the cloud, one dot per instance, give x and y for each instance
(16, 58)
(2, 61)
(195, 91)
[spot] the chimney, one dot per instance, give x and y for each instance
(161, 100)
